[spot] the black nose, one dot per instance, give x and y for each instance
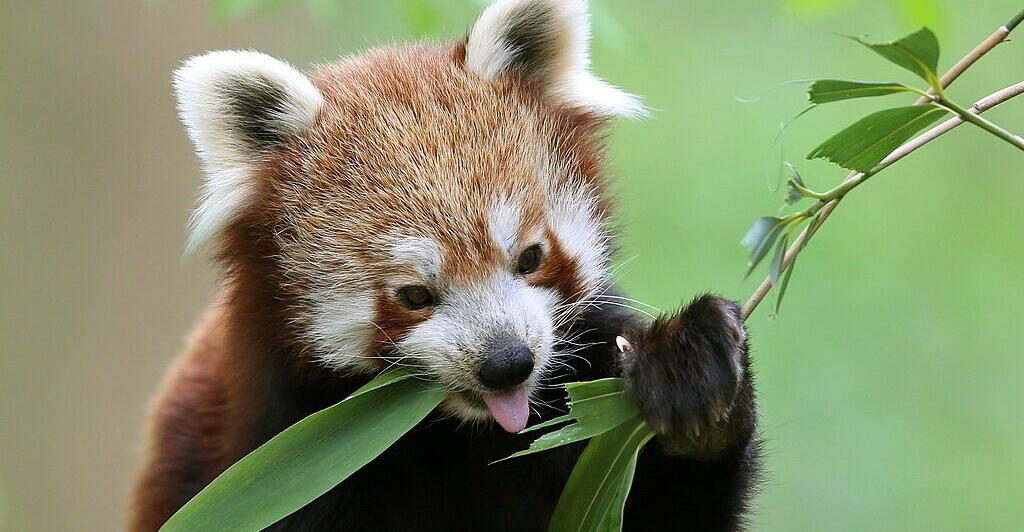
(506, 367)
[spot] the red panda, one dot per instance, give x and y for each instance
(442, 206)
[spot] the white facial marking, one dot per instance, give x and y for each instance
(342, 327)
(504, 225)
(422, 254)
(573, 218)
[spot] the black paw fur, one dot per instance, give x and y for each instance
(686, 371)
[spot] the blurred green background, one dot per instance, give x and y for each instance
(891, 383)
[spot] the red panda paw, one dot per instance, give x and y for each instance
(685, 371)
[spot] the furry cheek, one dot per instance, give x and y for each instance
(340, 326)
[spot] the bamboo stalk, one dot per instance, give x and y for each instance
(947, 78)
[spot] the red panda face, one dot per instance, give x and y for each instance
(433, 206)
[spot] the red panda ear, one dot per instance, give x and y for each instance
(545, 42)
(238, 108)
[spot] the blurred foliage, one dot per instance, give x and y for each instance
(423, 18)
(915, 12)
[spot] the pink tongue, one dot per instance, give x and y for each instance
(510, 408)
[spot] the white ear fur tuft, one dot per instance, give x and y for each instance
(548, 41)
(238, 107)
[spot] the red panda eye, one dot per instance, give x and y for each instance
(529, 260)
(415, 297)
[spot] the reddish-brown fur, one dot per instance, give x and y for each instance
(217, 402)
(439, 168)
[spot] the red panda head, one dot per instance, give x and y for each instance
(432, 205)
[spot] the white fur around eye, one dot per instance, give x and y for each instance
(504, 224)
(421, 254)
(573, 218)
(341, 327)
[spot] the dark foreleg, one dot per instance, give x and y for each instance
(690, 375)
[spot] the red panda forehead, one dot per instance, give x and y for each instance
(410, 145)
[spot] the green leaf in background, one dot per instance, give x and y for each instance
(783, 286)
(760, 237)
(310, 457)
(865, 143)
(834, 90)
(780, 254)
(917, 52)
(596, 492)
(596, 407)
(794, 194)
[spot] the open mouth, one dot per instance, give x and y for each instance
(510, 408)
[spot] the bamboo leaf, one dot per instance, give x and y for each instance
(596, 485)
(917, 52)
(834, 90)
(760, 237)
(794, 194)
(865, 143)
(783, 286)
(595, 407)
(780, 255)
(310, 457)
(615, 515)
(795, 174)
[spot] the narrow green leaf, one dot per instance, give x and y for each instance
(781, 291)
(917, 52)
(757, 232)
(595, 406)
(782, 287)
(865, 143)
(834, 90)
(595, 485)
(549, 423)
(760, 237)
(795, 174)
(310, 457)
(579, 391)
(780, 254)
(613, 518)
